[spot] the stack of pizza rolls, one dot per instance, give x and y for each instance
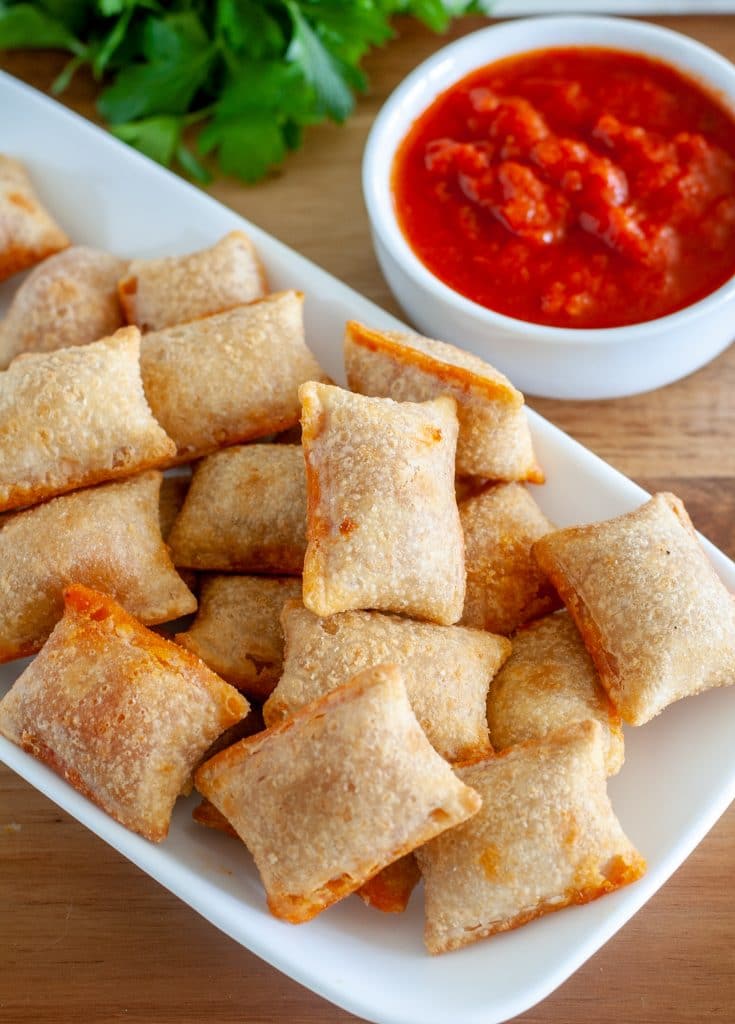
(442, 673)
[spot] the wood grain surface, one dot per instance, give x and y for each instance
(84, 935)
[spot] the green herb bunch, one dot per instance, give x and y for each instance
(241, 78)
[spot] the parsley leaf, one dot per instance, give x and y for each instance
(239, 79)
(179, 55)
(320, 67)
(25, 25)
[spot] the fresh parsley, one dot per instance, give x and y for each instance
(237, 79)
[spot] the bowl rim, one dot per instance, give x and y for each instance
(402, 106)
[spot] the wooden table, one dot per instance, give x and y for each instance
(85, 935)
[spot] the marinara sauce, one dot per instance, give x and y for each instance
(573, 187)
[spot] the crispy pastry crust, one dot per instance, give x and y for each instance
(389, 891)
(205, 813)
(237, 631)
(230, 377)
(245, 512)
(71, 299)
(330, 797)
(655, 617)
(162, 292)
(383, 528)
(171, 500)
(105, 537)
(505, 587)
(73, 418)
(122, 714)
(446, 669)
(27, 232)
(550, 682)
(545, 838)
(494, 439)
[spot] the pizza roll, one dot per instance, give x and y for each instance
(505, 586)
(73, 418)
(162, 292)
(27, 232)
(550, 682)
(494, 439)
(327, 799)
(245, 512)
(545, 838)
(654, 615)
(383, 528)
(446, 670)
(106, 537)
(71, 299)
(230, 377)
(122, 714)
(389, 891)
(171, 500)
(237, 631)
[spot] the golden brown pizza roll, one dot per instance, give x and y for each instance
(119, 712)
(237, 631)
(545, 838)
(494, 438)
(75, 417)
(389, 891)
(71, 299)
(27, 232)
(106, 537)
(162, 292)
(550, 682)
(505, 586)
(329, 798)
(171, 500)
(245, 512)
(383, 528)
(230, 377)
(654, 615)
(446, 670)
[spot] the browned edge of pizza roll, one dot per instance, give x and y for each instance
(158, 293)
(121, 713)
(28, 232)
(329, 798)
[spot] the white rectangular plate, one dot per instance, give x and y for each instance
(669, 794)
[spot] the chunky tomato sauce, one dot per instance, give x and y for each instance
(573, 187)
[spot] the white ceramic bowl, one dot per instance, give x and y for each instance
(550, 361)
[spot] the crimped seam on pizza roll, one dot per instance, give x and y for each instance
(159, 293)
(75, 417)
(329, 798)
(494, 439)
(122, 714)
(383, 527)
